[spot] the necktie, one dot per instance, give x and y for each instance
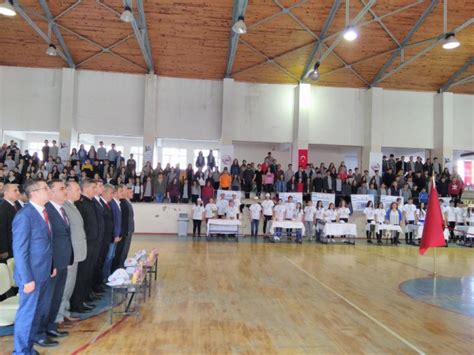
(63, 212)
(46, 218)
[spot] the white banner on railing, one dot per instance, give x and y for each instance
(388, 199)
(359, 202)
(325, 198)
(297, 196)
(229, 193)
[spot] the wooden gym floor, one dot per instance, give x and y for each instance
(223, 297)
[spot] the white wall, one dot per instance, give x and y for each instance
(30, 98)
(318, 154)
(463, 117)
(336, 116)
(189, 109)
(256, 152)
(408, 119)
(263, 112)
(109, 103)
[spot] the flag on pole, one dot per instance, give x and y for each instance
(433, 229)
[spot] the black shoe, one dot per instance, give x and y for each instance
(47, 343)
(88, 306)
(57, 333)
(369, 241)
(80, 310)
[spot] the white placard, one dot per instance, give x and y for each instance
(228, 194)
(63, 151)
(445, 201)
(388, 199)
(227, 156)
(147, 154)
(359, 202)
(375, 162)
(326, 199)
(297, 196)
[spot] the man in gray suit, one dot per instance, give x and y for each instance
(79, 246)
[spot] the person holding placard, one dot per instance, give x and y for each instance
(369, 213)
(394, 217)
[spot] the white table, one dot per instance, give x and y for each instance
(339, 229)
(419, 233)
(286, 225)
(223, 226)
(467, 232)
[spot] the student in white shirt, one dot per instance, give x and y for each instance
(222, 205)
(232, 211)
(309, 219)
(343, 213)
(369, 213)
(319, 219)
(330, 216)
(450, 214)
(255, 214)
(279, 215)
(267, 206)
(421, 213)
(460, 216)
(379, 215)
(198, 213)
(211, 209)
(298, 217)
(409, 215)
(290, 212)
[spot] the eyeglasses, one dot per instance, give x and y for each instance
(46, 188)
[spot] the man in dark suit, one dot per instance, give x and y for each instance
(126, 206)
(8, 210)
(88, 211)
(32, 247)
(121, 192)
(62, 258)
(97, 283)
(329, 183)
(113, 206)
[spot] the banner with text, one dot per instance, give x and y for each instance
(387, 200)
(229, 193)
(325, 198)
(297, 196)
(359, 202)
(227, 156)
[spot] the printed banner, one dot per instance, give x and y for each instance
(302, 158)
(375, 163)
(387, 200)
(63, 151)
(148, 154)
(468, 178)
(325, 198)
(297, 196)
(229, 193)
(359, 202)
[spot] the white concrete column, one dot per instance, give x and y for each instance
(374, 130)
(443, 128)
(301, 122)
(67, 121)
(229, 116)
(149, 120)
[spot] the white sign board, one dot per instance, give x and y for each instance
(326, 199)
(63, 151)
(229, 193)
(387, 200)
(297, 196)
(227, 156)
(359, 202)
(375, 163)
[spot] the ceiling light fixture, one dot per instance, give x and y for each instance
(350, 34)
(127, 15)
(51, 51)
(451, 42)
(7, 9)
(240, 27)
(314, 74)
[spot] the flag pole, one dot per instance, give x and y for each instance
(434, 249)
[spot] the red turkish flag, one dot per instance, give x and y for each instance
(302, 158)
(433, 229)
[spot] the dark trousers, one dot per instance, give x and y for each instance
(247, 188)
(54, 294)
(197, 227)
(254, 227)
(32, 307)
(265, 222)
(125, 250)
(409, 235)
(98, 269)
(85, 273)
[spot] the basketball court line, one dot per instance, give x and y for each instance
(380, 324)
